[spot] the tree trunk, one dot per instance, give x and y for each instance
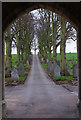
(62, 48)
(54, 30)
(8, 54)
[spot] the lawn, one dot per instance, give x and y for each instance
(69, 59)
(69, 56)
(10, 80)
(63, 79)
(14, 59)
(27, 69)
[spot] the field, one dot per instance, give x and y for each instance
(69, 58)
(64, 79)
(14, 59)
(22, 79)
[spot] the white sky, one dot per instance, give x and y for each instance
(70, 47)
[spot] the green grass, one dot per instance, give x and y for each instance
(26, 72)
(69, 56)
(21, 79)
(25, 65)
(63, 78)
(9, 79)
(14, 59)
(44, 66)
(65, 82)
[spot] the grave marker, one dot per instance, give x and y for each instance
(14, 74)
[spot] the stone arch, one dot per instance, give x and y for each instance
(69, 11)
(63, 9)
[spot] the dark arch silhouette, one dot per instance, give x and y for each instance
(12, 10)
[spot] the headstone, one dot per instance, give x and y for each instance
(50, 67)
(68, 68)
(47, 60)
(27, 62)
(29, 59)
(74, 61)
(14, 74)
(75, 72)
(56, 70)
(42, 59)
(58, 63)
(21, 69)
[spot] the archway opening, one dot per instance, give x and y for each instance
(51, 37)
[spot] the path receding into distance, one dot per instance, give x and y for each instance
(40, 97)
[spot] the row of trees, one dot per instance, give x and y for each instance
(19, 35)
(53, 31)
(50, 29)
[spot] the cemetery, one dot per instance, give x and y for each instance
(71, 78)
(61, 67)
(18, 75)
(37, 39)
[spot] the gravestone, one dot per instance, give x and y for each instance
(74, 61)
(47, 60)
(56, 70)
(21, 69)
(14, 74)
(68, 68)
(49, 67)
(42, 60)
(29, 59)
(58, 63)
(75, 72)
(27, 62)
